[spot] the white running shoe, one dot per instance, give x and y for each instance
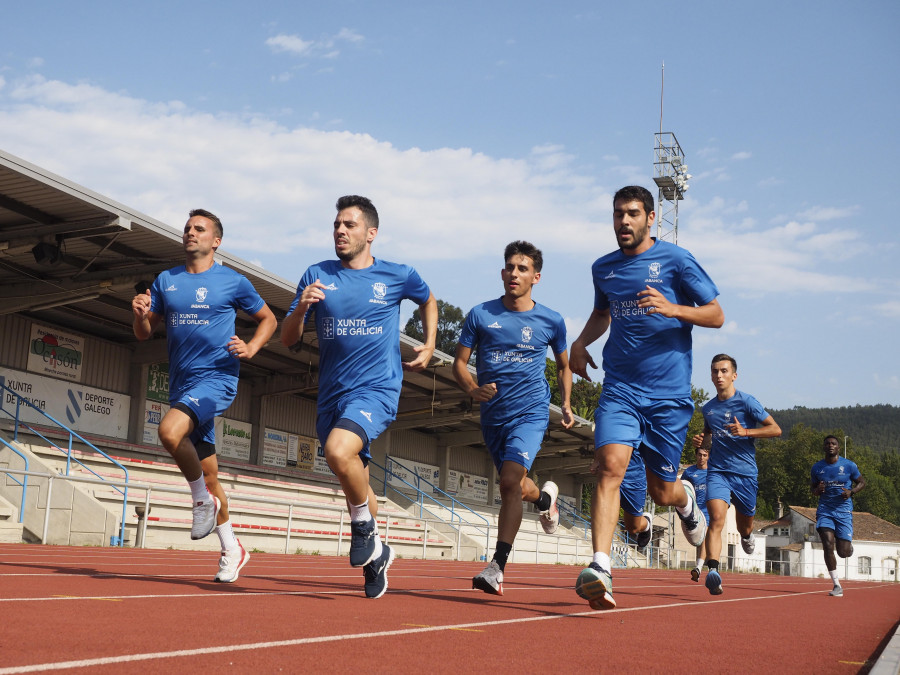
(837, 591)
(594, 584)
(490, 580)
(694, 525)
(231, 563)
(748, 544)
(204, 517)
(550, 517)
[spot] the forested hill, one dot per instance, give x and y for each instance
(874, 426)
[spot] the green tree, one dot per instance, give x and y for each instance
(584, 394)
(450, 323)
(880, 496)
(696, 424)
(784, 464)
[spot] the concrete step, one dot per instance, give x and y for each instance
(315, 518)
(11, 532)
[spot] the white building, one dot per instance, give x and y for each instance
(667, 531)
(793, 547)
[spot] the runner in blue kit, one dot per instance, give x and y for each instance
(512, 334)
(355, 302)
(649, 294)
(835, 480)
(732, 420)
(633, 497)
(696, 476)
(198, 303)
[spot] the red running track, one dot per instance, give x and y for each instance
(110, 610)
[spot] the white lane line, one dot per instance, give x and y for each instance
(229, 592)
(149, 656)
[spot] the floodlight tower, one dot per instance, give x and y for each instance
(671, 177)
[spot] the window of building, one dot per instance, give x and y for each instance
(865, 565)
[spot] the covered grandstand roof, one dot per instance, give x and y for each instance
(74, 258)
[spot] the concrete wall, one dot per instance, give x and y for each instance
(76, 518)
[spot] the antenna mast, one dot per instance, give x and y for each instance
(670, 176)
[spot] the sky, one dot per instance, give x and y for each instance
(472, 124)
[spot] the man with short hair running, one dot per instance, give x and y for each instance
(512, 334)
(695, 474)
(199, 301)
(649, 294)
(834, 480)
(732, 420)
(355, 302)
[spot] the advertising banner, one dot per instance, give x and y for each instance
(304, 453)
(275, 448)
(467, 487)
(52, 352)
(401, 476)
(320, 465)
(153, 414)
(158, 382)
(80, 408)
(233, 439)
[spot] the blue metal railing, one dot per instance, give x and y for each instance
(72, 436)
(23, 482)
(456, 507)
(619, 553)
(573, 516)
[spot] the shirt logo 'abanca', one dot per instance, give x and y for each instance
(379, 290)
(654, 270)
(200, 294)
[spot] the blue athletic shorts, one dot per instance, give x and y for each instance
(657, 426)
(633, 491)
(731, 487)
(370, 410)
(203, 401)
(839, 521)
(518, 440)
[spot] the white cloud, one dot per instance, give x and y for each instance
(891, 382)
(325, 48)
(275, 188)
(290, 43)
(889, 309)
(821, 213)
(741, 155)
(350, 35)
(790, 258)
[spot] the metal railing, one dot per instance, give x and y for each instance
(72, 435)
(574, 516)
(23, 482)
(148, 491)
(456, 508)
